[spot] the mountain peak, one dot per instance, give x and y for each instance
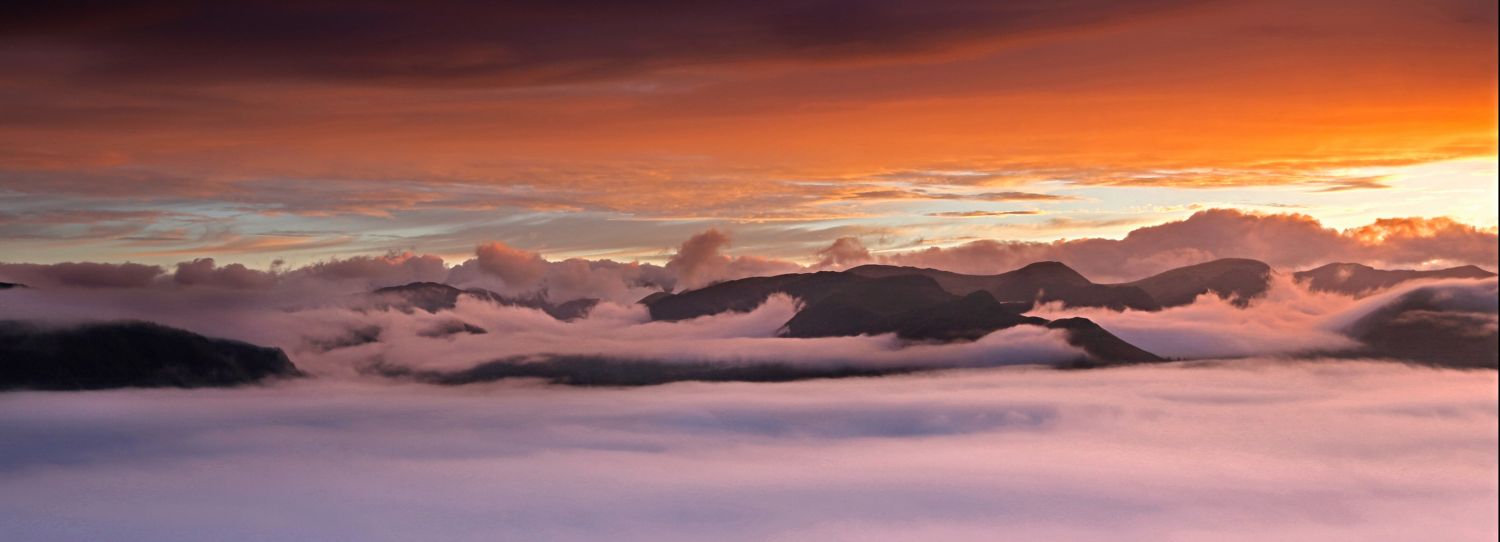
(1049, 271)
(416, 286)
(1235, 279)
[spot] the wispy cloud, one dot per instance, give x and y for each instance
(982, 214)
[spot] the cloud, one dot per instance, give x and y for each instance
(518, 43)
(857, 193)
(1329, 450)
(844, 252)
(1424, 240)
(81, 274)
(1286, 241)
(1288, 319)
(570, 279)
(577, 278)
(700, 261)
(376, 271)
(302, 316)
(75, 224)
(518, 268)
(1355, 183)
(1256, 450)
(204, 272)
(981, 214)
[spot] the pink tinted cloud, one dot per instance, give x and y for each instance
(700, 261)
(385, 270)
(80, 274)
(1286, 241)
(1255, 450)
(205, 272)
(519, 269)
(844, 252)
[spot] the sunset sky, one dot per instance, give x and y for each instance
(749, 270)
(162, 132)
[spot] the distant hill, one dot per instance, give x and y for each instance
(911, 306)
(1357, 279)
(1047, 281)
(129, 354)
(930, 304)
(1238, 280)
(1442, 326)
(744, 295)
(433, 297)
(603, 371)
(914, 306)
(1103, 347)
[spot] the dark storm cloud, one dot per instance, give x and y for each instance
(520, 42)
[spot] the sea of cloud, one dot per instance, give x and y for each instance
(1246, 450)
(1288, 320)
(986, 447)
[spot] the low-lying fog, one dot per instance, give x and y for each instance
(1245, 450)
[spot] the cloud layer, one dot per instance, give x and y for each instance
(1285, 241)
(1250, 451)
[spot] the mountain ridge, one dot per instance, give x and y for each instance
(116, 354)
(1357, 279)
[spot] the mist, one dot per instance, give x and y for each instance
(1250, 450)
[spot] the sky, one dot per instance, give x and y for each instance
(252, 170)
(258, 132)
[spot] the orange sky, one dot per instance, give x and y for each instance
(849, 116)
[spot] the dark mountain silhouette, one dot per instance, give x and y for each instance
(1357, 279)
(603, 371)
(9, 285)
(568, 310)
(654, 297)
(744, 295)
(914, 306)
(966, 318)
(433, 297)
(1235, 279)
(129, 354)
(450, 328)
(1438, 326)
(353, 336)
(1045, 281)
(1103, 347)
